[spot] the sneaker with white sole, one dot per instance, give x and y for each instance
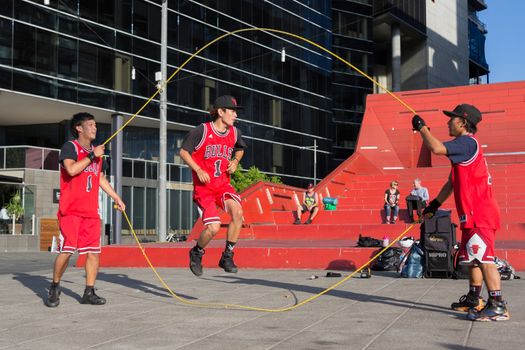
(467, 302)
(493, 311)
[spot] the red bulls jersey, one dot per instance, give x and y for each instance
(79, 194)
(213, 154)
(473, 192)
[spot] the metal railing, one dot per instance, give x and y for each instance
(32, 157)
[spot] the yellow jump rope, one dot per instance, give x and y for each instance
(244, 307)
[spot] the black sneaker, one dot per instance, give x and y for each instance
(196, 262)
(90, 297)
(297, 222)
(227, 263)
(467, 302)
(493, 311)
(53, 297)
(308, 222)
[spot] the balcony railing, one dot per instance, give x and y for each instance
(31, 157)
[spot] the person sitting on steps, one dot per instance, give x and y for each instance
(392, 203)
(309, 203)
(417, 199)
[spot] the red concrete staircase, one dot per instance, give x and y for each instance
(387, 149)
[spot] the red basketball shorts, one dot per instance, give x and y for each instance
(477, 246)
(207, 200)
(79, 233)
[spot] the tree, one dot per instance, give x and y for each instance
(15, 209)
(241, 178)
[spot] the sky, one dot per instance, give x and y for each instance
(505, 45)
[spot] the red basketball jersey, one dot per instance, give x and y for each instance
(473, 193)
(213, 154)
(79, 194)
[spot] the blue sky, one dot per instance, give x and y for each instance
(505, 45)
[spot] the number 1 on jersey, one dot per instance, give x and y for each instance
(89, 185)
(217, 168)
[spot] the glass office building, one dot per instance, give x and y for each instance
(101, 56)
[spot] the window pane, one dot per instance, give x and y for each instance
(5, 78)
(24, 47)
(67, 58)
(127, 169)
(174, 209)
(138, 209)
(51, 160)
(46, 52)
(151, 171)
(126, 197)
(5, 41)
(15, 158)
(186, 209)
(138, 170)
(151, 208)
(87, 63)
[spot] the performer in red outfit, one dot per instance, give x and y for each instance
(478, 212)
(78, 214)
(213, 150)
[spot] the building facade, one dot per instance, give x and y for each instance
(428, 44)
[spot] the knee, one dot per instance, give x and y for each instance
(212, 229)
(237, 215)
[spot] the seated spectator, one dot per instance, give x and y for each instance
(392, 203)
(417, 199)
(309, 204)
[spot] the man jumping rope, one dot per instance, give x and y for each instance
(213, 151)
(478, 212)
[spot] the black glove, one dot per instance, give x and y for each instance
(417, 123)
(431, 208)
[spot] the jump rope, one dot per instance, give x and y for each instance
(236, 306)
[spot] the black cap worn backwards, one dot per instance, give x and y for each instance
(469, 112)
(226, 101)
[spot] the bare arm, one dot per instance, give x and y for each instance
(232, 166)
(73, 167)
(203, 176)
(432, 143)
(106, 187)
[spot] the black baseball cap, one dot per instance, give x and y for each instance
(226, 101)
(469, 112)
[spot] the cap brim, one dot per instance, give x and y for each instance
(236, 107)
(452, 114)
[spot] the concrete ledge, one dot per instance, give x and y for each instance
(19, 243)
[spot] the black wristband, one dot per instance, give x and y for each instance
(91, 156)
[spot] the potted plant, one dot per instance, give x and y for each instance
(15, 210)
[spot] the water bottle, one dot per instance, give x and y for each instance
(386, 241)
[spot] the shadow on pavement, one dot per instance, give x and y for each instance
(126, 281)
(40, 285)
(341, 294)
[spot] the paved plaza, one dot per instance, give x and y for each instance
(383, 312)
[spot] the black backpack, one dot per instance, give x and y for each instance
(368, 242)
(389, 260)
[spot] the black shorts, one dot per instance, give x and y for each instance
(304, 209)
